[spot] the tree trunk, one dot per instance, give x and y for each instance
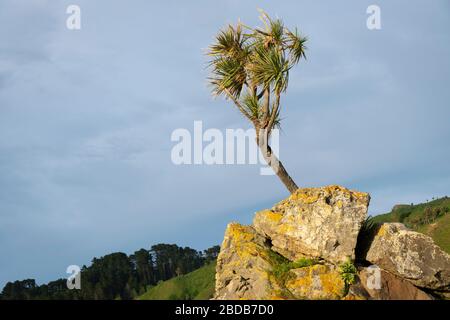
(275, 163)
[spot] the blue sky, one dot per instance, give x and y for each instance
(86, 118)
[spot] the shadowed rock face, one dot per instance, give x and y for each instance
(410, 255)
(315, 222)
(295, 251)
(391, 287)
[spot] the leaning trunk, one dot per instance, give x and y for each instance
(275, 163)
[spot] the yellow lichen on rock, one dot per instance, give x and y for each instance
(240, 233)
(285, 228)
(304, 195)
(347, 192)
(273, 216)
(332, 283)
(244, 243)
(243, 265)
(316, 282)
(381, 231)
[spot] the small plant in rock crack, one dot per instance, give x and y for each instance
(348, 273)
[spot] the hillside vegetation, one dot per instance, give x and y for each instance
(431, 218)
(196, 285)
(117, 275)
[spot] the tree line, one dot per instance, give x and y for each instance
(117, 275)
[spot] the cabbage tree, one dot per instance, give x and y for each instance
(250, 67)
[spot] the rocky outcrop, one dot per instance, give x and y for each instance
(410, 255)
(315, 222)
(304, 248)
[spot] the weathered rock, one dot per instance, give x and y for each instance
(244, 265)
(410, 255)
(245, 271)
(390, 287)
(315, 222)
(316, 282)
(357, 292)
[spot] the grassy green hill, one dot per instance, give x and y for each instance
(197, 285)
(431, 218)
